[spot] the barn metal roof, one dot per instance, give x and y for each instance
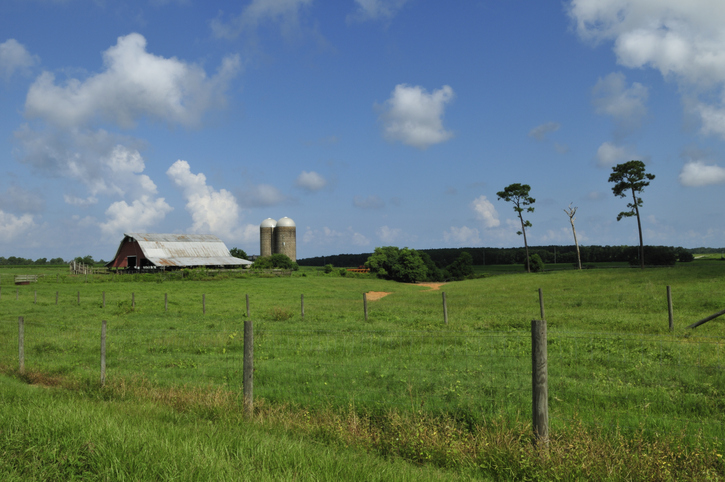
(184, 250)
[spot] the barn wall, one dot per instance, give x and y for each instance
(129, 248)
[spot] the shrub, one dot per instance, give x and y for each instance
(328, 268)
(276, 261)
(343, 272)
(536, 264)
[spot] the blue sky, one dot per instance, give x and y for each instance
(368, 122)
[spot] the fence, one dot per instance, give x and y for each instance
(611, 383)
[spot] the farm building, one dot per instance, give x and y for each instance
(278, 237)
(173, 251)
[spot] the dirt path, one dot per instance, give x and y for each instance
(432, 286)
(376, 295)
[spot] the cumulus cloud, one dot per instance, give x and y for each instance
(370, 202)
(19, 200)
(540, 132)
(13, 227)
(310, 181)
(698, 173)
(415, 117)
(485, 212)
(626, 105)
(683, 40)
(212, 211)
(139, 215)
(285, 12)
(389, 235)
(14, 58)
(327, 236)
(134, 84)
(609, 154)
(463, 236)
(376, 9)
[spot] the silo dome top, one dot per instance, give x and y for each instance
(268, 223)
(286, 222)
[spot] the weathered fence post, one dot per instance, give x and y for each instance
(103, 352)
(248, 368)
(302, 305)
(247, 296)
(166, 302)
(203, 304)
(365, 305)
(21, 345)
(541, 304)
(445, 309)
(133, 300)
(35, 297)
(669, 309)
(539, 383)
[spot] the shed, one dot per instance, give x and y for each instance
(175, 251)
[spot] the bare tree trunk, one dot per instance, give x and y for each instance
(571, 212)
(639, 228)
(526, 245)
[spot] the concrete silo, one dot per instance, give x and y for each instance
(266, 237)
(285, 238)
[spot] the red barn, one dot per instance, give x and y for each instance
(175, 251)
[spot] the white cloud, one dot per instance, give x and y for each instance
(370, 202)
(212, 212)
(463, 236)
(697, 173)
(415, 117)
(327, 236)
(17, 199)
(14, 57)
(389, 235)
(141, 214)
(540, 132)
(626, 105)
(135, 84)
(609, 155)
(486, 212)
(12, 227)
(685, 41)
(376, 9)
(286, 12)
(310, 181)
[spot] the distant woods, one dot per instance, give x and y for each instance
(443, 257)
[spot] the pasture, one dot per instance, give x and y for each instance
(454, 398)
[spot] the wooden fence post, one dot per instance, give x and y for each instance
(133, 300)
(21, 345)
(103, 352)
(302, 305)
(365, 305)
(248, 368)
(669, 309)
(445, 308)
(247, 296)
(35, 297)
(541, 304)
(539, 383)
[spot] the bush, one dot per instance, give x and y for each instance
(536, 264)
(404, 265)
(276, 261)
(328, 268)
(343, 272)
(462, 267)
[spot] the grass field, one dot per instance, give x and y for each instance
(628, 398)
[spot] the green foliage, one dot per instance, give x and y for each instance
(685, 257)
(518, 194)
(656, 256)
(434, 272)
(238, 253)
(328, 268)
(276, 261)
(462, 267)
(403, 265)
(342, 272)
(87, 260)
(536, 264)
(630, 177)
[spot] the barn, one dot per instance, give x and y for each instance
(140, 251)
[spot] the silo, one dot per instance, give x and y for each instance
(285, 238)
(266, 237)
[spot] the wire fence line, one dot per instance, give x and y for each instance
(608, 382)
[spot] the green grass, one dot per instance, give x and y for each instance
(618, 377)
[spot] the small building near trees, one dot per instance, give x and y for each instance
(141, 251)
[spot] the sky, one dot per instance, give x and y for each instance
(368, 122)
